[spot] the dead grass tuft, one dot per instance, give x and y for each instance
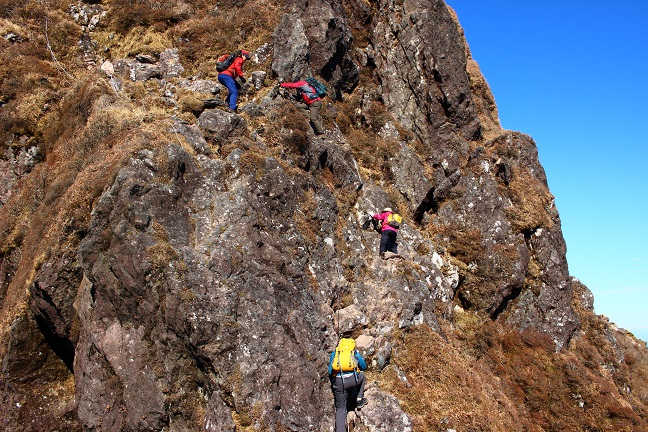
(125, 15)
(464, 243)
(361, 127)
(286, 132)
(530, 202)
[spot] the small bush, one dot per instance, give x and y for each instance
(8, 8)
(125, 15)
(464, 243)
(531, 201)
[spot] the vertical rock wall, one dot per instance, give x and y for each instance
(213, 280)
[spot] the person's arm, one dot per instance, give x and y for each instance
(330, 366)
(238, 66)
(362, 364)
(296, 84)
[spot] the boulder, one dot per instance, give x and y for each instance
(383, 413)
(219, 124)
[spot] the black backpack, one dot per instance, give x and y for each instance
(226, 60)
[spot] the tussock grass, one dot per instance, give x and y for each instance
(531, 200)
(487, 376)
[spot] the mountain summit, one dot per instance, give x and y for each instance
(172, 264)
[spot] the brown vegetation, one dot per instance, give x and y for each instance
(489, 377)
(531, 202)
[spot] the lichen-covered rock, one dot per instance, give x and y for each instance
(219, 124)
(416, 47)
(383, 414)
(291, 50)
(193, 135)
(235, 290)
(136, 71)
(201, 86)
(170, 65)
(14, 166)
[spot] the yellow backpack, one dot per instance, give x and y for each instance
(344, 359)
(394, 220)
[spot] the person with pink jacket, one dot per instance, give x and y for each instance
(388, 233)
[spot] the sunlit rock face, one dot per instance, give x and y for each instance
(171, 265)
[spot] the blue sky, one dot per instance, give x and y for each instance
(574, 76)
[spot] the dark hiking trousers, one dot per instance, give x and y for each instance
(313, 112)
(388, 241)
(346, 397)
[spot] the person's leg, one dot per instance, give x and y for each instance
(384, 241)
(355, 391)
(393, 247)
(303, 108)
(361, 385)
(340, 396)
(316, 118)
(232, 90)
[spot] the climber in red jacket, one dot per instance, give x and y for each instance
(228, 79)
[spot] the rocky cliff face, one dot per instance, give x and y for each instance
(169, 265)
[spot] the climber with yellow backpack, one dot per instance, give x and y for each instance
(390, 224)
(347, 380)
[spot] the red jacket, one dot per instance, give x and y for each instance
(309, 94)
(383, 217)
(236, 68)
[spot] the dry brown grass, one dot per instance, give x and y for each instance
(531, 200)
(125, 15)
(286, 129)
(212, 32)
(489, 377)
(448, 388)
(305, 220)
(361, 128)
(464, 243)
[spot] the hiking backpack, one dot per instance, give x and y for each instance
(225, 61)
(394, 220)
(320, 88)
(344, 359)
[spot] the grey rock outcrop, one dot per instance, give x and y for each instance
(14, 166)
(314, 38)
(384, 414)
(229, 292)
(219, 125)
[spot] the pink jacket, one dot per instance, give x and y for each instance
(383, 217)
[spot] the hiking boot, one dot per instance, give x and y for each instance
(361, 402)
